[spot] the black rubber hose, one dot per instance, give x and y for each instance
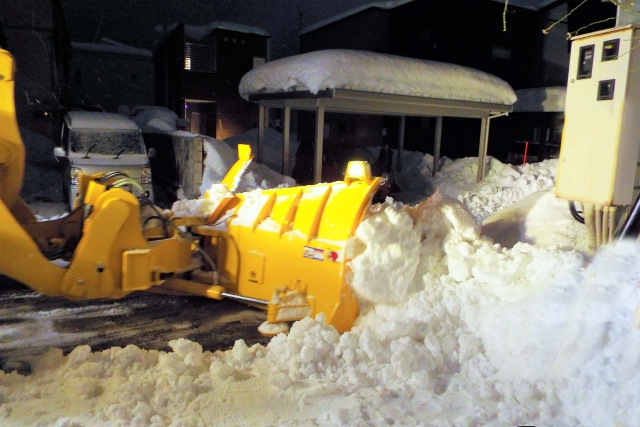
(162, 220)
(574, 212)
(631, 226)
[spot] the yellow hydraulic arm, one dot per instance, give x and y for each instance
(110, 258)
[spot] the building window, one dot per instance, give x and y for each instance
(200, 55)
(78, 75)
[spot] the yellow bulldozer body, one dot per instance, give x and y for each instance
(291, 247)
(286, 249)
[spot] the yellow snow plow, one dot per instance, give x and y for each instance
(285, 250)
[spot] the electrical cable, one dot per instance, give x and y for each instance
(574, 212)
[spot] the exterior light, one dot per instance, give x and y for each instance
(76, 175)
(146, 176)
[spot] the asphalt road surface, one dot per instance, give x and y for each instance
(31, 323)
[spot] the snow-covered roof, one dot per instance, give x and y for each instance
(99, 120)
(198, 32)
(541, 99)
(376, 72)
(111, 46)
(379, 5)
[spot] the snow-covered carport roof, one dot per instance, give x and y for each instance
(358, 82)
(360, 102)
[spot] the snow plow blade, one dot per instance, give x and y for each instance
(290, 247)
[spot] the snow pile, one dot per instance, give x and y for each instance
(219, 159)
(390, 257)
(153, 119)
(483, 335)
(273, 143)
(376, 72)
(204, 206)
(540, 219)
(541, 99)
(502, 186)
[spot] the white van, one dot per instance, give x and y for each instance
(95, 142)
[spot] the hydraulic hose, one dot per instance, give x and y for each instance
(574, 212)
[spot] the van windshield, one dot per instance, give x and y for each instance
(107, 141)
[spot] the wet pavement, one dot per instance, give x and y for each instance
(31, 323)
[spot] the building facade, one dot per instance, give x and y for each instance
(109, 75)
(198, 70)
(463, 32)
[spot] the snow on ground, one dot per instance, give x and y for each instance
(458, 331)
(503, 185)
(376, 72)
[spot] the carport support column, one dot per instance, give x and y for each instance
(261, 125)
(317, 169)
(436, 146)
(482, 152)
(400, 144)
(286, 145)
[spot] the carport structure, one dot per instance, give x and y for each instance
(358, 82)
(359, 102)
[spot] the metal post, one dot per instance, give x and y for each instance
(286, 146)
(260, 153)
(400, 144)
(482, 152)
(317, 170)
(436, 146)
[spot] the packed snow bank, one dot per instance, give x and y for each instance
(376, 72)
(503, 185)
(204, 206)
(153, 119)
(540, 219)
(273, 143)
(220, 156)
(484, 335)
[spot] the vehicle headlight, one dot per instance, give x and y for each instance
(76, 175)
(146, 176)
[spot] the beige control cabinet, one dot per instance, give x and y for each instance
(601, 138)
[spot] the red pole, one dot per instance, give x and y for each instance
(526, 148)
